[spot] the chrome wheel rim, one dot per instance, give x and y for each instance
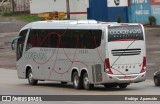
(156, 81)
(76, 80)
(30, 77)
(86, 82)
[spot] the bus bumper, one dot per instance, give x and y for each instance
(133, 78)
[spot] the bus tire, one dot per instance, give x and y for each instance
(30, 78)
(123, 86)
(77, 82)
(156, 81)
(86, 83)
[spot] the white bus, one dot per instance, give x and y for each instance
(85, 52)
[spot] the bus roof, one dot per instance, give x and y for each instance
(71, 24)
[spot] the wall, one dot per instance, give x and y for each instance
(155, 2)
(139, 11)
(78, 8)
(155, 10)
(21, 5)
(108, 10)
(98, 10)
(40, 6)
(117, 8)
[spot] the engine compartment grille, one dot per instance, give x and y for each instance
(126, 52)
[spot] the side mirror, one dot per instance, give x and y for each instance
(13, 46)
(13, 42)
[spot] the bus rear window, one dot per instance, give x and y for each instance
(124, 33)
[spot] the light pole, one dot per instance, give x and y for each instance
(68, 9)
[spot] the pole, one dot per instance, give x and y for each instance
(68, 9)
(12, 5)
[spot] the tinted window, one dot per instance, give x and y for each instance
(20, 43)
(87, 39)
(116, 33)
(84, 39)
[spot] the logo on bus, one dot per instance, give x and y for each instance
(117, 2)
(116, 32)
(35, 56)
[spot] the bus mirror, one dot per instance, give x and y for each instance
(13, 46)
(13, 43)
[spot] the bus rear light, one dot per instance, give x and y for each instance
(107, 66)
(144, 65)
(109, 26)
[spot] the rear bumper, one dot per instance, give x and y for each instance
(133, 78)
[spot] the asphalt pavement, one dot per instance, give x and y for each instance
(11, 85)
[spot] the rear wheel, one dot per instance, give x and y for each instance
(77, 83)
(123, 86)
(86, 84)
(31, 80)
(156, 81)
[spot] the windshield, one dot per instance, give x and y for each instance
(124, 33)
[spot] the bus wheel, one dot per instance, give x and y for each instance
(77, 83)
(30, 78)
(156, 81)
(123, 86)
(86, 84)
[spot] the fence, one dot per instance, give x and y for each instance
(20, 6)
(15, 5)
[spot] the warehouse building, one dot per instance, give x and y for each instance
(102, 10)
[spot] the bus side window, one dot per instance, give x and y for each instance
(20, 44)
(90, 39)
(32, 39)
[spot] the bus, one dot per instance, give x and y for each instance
(83, 52)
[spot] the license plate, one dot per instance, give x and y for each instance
(127, 77)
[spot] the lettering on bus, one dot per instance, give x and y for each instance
(125, 32)
(35, 56)
(116, 33)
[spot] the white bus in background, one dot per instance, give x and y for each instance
(85, 52)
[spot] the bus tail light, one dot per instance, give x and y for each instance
(144, 65)
(107, 66)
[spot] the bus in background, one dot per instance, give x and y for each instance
(85, 52)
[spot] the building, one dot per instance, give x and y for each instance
(102, 10)
(126, 10)
(139, 11)
(78, 8)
